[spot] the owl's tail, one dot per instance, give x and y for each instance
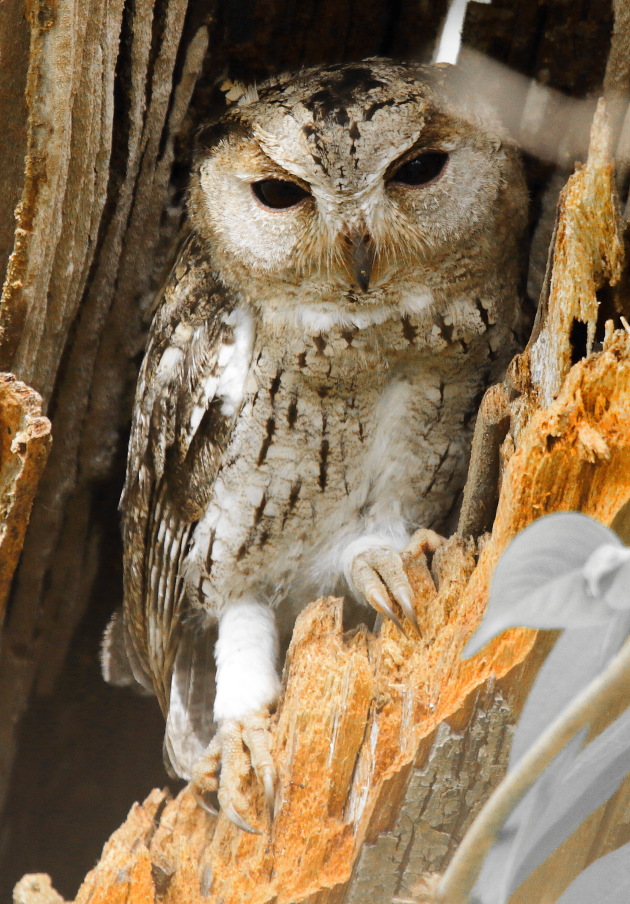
(189, 723)
(119, 664)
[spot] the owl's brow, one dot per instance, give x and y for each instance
(424, 142)
(210, 134)
(274, 170)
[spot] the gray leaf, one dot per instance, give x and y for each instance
(495, 879)
(539, 580)
(606, 881)
(617, 596)
(591, 780)
(560, 603)
(578, 656)
(602, 567)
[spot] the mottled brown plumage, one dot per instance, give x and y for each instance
(347, 290)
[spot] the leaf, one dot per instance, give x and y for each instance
(578, 656)
(590, 781)
(572, 787)
(606, 881)
(493, 885)
(602, 571)
(539, 581)
(564, 571)
(618, 594)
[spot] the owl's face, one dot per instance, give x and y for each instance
(352, 189)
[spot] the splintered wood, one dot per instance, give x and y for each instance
(387, 745)
(24, 447)
(588, 254)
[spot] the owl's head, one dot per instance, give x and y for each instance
(339, 191)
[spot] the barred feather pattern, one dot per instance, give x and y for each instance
(312, 371)
(336, 435)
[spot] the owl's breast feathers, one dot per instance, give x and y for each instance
(258, 449)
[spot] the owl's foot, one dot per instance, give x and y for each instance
(424, 542)
(379, 572)
(237, 746)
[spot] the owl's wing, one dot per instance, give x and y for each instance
(186, 406)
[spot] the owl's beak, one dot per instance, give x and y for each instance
(361, 258)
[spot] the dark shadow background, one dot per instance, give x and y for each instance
(85, 753)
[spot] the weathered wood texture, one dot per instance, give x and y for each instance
(36, 889)
(585, 433)
(582, 459)
(173, 851)
(89, 214)
(24, 448)
(14, 41)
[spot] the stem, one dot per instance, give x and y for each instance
(463, 870)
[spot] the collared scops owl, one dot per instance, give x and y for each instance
(346, 289)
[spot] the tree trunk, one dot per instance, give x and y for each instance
(386, 747)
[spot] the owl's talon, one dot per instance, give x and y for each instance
(269, 784)
(237, 747)
(424, 541)
(236, 819)
(377, 571)
(256, 737)
(201, 801)
(403, 597)
(379, 601)
(421, 549)
(390, 567)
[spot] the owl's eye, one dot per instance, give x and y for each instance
(422, 169)
(278, 194)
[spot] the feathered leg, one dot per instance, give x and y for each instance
(247, 685)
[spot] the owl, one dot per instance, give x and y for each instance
(346, 288)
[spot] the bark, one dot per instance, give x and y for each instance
(86, 224)
(23, 453)
(386, 747)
